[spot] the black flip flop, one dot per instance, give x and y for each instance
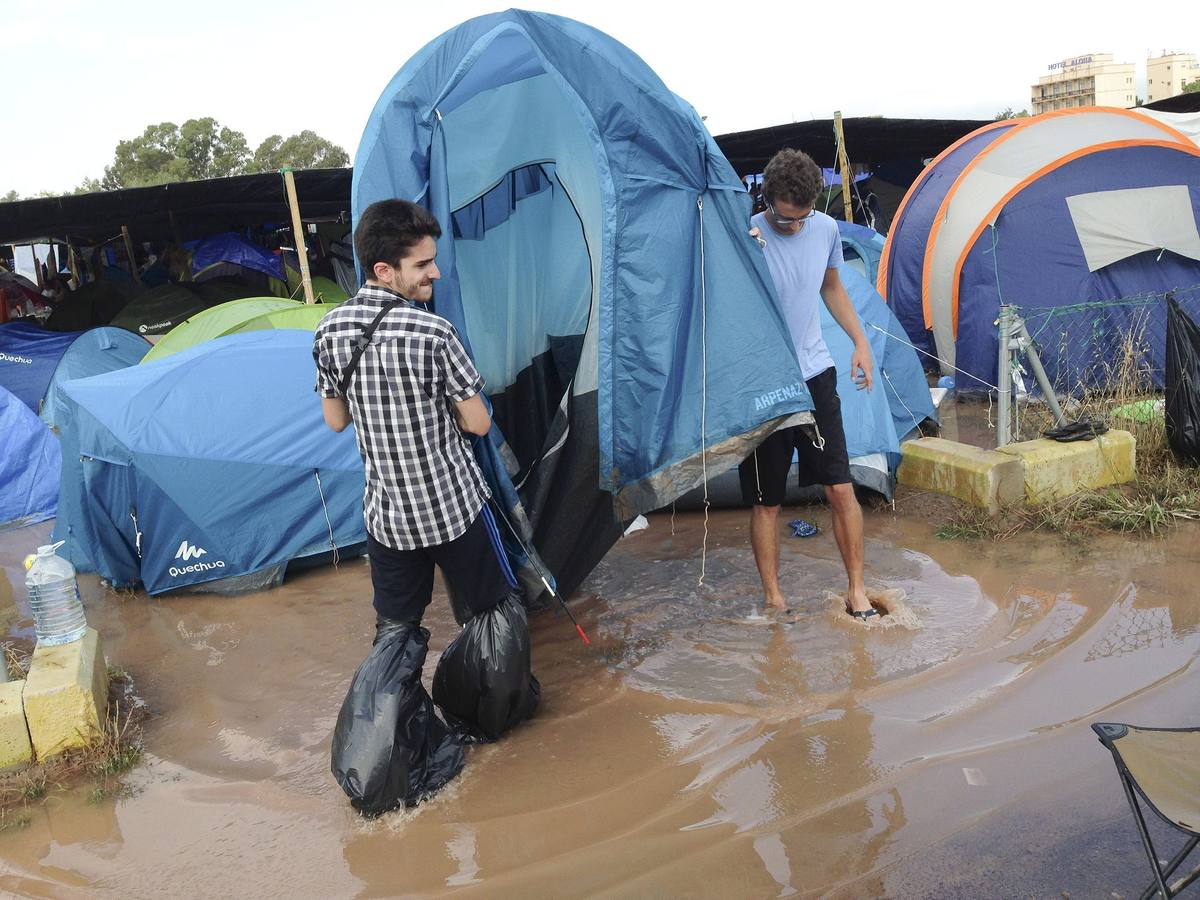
(862, 614)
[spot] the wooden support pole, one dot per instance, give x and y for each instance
(137, 279)
(73, 264)
(289, 181)
(843, 162)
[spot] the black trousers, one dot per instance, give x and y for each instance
(471, 566)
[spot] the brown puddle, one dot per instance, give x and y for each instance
(697, 749)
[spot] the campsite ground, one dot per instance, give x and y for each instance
(693, 750)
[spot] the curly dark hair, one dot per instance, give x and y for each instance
(388, 229)
(793, 177)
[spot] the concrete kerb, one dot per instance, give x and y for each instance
(1030, 471)
(65, 695)
(983, 478)
(16, 750)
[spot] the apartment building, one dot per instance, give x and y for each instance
(1090, 80)
(1167, 74)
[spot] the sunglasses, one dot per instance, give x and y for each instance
(780, 220)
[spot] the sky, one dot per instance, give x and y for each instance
(78, 77)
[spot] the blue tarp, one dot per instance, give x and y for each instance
(213, 463)
(28, 357)
(633, 274)
(229, 248)
(93, 352)
(30, 459)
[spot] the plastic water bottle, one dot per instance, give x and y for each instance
(54, 597)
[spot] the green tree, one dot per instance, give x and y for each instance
(1192, 87)
(306, 150)
(10, 197)
(1008, 113)
(166, 152)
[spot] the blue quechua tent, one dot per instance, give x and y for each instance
(34, 361)
(596, 261)
(94, 352)
(213, 464)
(28, 357)
(30, 459)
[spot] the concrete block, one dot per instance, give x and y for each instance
(980, 477)
(1054, 470)
(66, 693)
(15, 749)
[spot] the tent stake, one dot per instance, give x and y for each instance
(289, 181)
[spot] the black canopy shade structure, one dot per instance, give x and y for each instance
(870, 141)
(180, 211)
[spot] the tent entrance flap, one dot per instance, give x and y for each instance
(525, 275)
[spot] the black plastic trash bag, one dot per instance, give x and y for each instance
(389, 747)
(483, 683)
(1183, 383)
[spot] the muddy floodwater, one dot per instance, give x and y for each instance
(696, 749)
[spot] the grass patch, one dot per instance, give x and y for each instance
(11, 821)
(1163, 493)
(109, 755)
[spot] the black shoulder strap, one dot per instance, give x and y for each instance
(360, 346)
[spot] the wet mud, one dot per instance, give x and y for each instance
(698, 748)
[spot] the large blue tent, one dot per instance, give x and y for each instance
(1084, 219)
(213, 464)
(30, 459)
(596, 260)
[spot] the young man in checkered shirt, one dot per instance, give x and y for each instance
(411, 398)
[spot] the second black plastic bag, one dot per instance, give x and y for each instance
(483, 682)
(389, 747)
(1183, 383)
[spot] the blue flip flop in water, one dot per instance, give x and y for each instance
(800, 528)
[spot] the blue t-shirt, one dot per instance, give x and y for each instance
(798, 263)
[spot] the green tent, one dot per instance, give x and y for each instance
(324, 290)
(160, 309)
(248, 314)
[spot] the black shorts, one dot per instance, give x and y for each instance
(763, 474)
(472, 567)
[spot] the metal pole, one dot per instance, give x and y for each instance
(1025, 344)
(1004, 370)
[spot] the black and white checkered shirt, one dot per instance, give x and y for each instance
(423, 484)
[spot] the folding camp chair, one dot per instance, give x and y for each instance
(1163, 765)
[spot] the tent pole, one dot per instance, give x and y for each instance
(289, 181)
(1004, 370)
(843, 163)
(137, 279)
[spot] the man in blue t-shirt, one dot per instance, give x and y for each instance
(803, 251)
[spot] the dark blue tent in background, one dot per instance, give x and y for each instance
(30, 460)
(212, 465)
(34, 361)
(596, 260)
(29, 355)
